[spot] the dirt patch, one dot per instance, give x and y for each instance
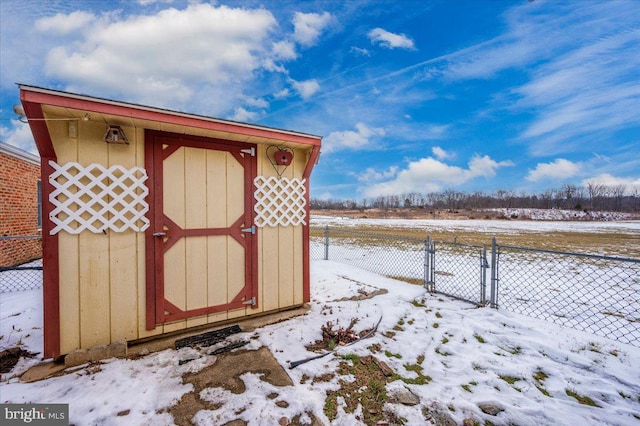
(225, 373)
(10, 357)
(365, 388)
(619, 243)
(362, 293)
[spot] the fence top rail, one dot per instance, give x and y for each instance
(369, 234)
(566, 253)
(455, 243)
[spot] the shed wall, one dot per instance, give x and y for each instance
(102, 276)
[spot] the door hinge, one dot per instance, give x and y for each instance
(251, 301)
(251, 230)
(251, 151)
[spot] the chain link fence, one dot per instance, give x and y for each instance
(25, 276)
(394, 257)
(597, 294)
(460, 271)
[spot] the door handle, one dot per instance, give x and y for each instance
(159, 234)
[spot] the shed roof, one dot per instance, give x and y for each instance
(46, 103)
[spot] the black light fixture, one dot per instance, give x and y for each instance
(115, 134)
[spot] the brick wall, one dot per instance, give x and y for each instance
(18, 210)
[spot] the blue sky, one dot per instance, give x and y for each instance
(410, 96)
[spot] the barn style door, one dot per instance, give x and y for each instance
(202, 234)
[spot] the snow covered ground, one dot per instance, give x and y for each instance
(558, 214)
(534, 371)
(490, 227)
(601, 296)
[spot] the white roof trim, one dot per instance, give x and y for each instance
(16, 152)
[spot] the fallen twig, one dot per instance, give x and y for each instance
(294, 364)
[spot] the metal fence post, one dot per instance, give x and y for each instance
(483, 275)
(429, 265)
(494, 274)
(432, 269)
(326, 242)
(427, 242)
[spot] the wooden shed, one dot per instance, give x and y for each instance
(156, 221)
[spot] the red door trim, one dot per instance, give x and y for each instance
(151, 243)
(159, 310)
(173, 233)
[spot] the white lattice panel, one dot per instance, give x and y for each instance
(98, 199)
(279, 201)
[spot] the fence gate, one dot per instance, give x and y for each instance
(458, 270)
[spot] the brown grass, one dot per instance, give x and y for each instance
(613, 244)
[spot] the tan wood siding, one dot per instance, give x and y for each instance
(123, 261)
(280, 248)
(95, 312)
(217, 217)
(204, 188)
(102, 277)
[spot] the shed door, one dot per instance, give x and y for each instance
(204, 247)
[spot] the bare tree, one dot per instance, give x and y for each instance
(449, 196)
(617, 194)
(595, 191)
(568, 192)
(618, 197)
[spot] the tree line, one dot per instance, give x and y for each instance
(592, 197)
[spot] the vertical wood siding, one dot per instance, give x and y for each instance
(280, 248)
(102, 277)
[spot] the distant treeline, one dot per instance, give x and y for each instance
(592, 197)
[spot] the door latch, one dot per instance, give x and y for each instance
(251, 230)
(159, 234)
(251, 301)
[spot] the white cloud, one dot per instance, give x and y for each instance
(306, 88)
(284, 93)
(390, 40)
(241, 114)
(325, 196)
(583, 84)
(430, 175)
(19, 135)
(584, 91)
(256, 102)
(148, 2)
(360, 51)
(309, 26)
(607, 179)
(284, 50)
(558, 169)
(349, 139)
(441, 154)
(64, 24)
(165, 58)
(371, 174)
